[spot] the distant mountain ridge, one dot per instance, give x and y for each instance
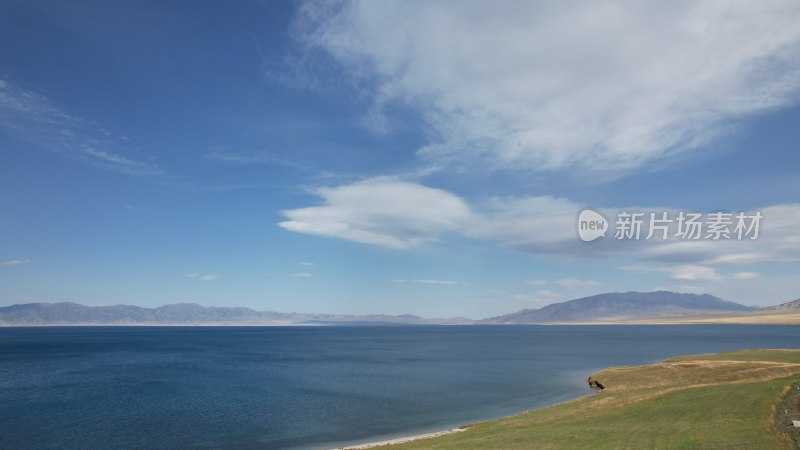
(621, 306)
(68, 313)
(602, 307)
(793, 305)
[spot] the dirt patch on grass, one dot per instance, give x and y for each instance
(786, 411)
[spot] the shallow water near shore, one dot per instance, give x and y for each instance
(311, 387)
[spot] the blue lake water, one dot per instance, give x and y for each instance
(310, 387)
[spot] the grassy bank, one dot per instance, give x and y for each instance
(726, 400)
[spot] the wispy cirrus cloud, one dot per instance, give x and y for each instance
(429, 281)
(14, 262)
(745, 275)
(686, 272)
(577, 283)
(541, 86)
(568, 282)
(540, 297)
(202, 277)
(250, 158)
(32, 117)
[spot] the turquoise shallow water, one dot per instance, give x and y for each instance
(294, 387)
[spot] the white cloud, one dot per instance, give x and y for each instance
(14, 262)
(546, 225)
(541, 296)
(745, 275)
(542, 85)
(575, 283)
(429, 281)
(537, 224)
(694, 273)
(739, 258)
(778, 240)
(382, 212)
(401, 215)
(306, 264)
(685, 272)
(301, 275)
(547, 294)
(202, 277)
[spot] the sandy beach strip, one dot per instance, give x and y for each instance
(403, 439)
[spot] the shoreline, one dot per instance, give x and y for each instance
(433, 434)
(404, 439)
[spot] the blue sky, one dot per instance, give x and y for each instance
(391, 157)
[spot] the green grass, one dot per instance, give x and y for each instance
(710, 401)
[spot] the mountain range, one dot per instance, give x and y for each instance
(68, 313)
(622, 306)
(794, 305)
(602, 307)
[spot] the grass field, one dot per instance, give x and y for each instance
(720, 401)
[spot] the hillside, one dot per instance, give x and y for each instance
(788, 306)
(784, 314)
(621, 306)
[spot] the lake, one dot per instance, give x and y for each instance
(311, 387)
